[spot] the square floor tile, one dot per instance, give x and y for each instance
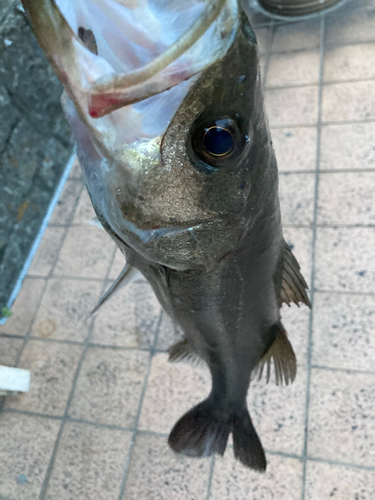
(292, 106)
(52, 366)
(169, 333)
(295, 148)
(26, 445)
(345, 259)
(129, 319)
(300, 241)
(89, 464)
(296, 321)
(76, 171)
(84, 212)
(294, 68)
(351, 62)
(156, 473)
(346, 199)
(343, 331)
(262, 37)
(345, 101)
(282, 480)
(9, 350)
(326, 481)
(63, 211)
(172, 390)
(296, 36)
(297, 192)
(65, 306)
(48, 252)
(349, 146)
(87, 253)
(25, 307)
(353, 28)
(342, 417)
(109, 386)
(278, 413)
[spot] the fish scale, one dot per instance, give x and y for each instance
(193, 203)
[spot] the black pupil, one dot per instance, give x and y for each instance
(218, 141)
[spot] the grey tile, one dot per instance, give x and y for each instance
(86, 253)
(89, 463)
(52, 368)
(169, 333)
(118, 265)
(344, 259)
(292, 106)
(325, 481)
(9, 350)
(109, 386)
(300, 241)
(26, 445)
(341, 417)
(282, 480)
(297, 193)
(172, 390)
(63, 211)
(346, 199)
(278, 413)
(295, 148)
(25, 307)
(345, 101)
(129, 319)
(296, 321)
(156, 473)
(347, 146)
(343, 331)
(354, 28)
(76, 171)
(64, 309)
(351, 62)
(296, 36)
(293, 68)
(262, 35)
(48, 252)
(84, 212)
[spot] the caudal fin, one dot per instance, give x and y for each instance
(246, 444)
(204, 431)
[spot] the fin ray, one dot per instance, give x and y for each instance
(293, 285)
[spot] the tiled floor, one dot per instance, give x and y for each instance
(103, 396)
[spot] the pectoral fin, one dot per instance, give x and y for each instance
(183, 351)
(128, 274)
(293, 285)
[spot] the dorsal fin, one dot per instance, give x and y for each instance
(293, 285)
(284, 359)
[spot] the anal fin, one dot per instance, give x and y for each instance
(293, 285)
(284, 359)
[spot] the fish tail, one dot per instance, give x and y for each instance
(204, 431)
(200, 432)
(246, 444)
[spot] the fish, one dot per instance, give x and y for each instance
(166, 107)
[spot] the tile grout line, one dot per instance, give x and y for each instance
(323, 124)
(140, 406)
(65, 418)
(267, 56)
(211, 474)
(317, 83)
(26, 338)
(313, 256)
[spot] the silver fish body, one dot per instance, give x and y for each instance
(195, 208)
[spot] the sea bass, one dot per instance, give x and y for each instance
(165, 102)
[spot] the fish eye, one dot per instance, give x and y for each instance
(216, 141)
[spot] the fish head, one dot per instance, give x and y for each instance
(167, 159)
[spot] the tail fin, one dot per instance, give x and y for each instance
(203, 431)
(246, 444)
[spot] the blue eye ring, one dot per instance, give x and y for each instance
(218, 141)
